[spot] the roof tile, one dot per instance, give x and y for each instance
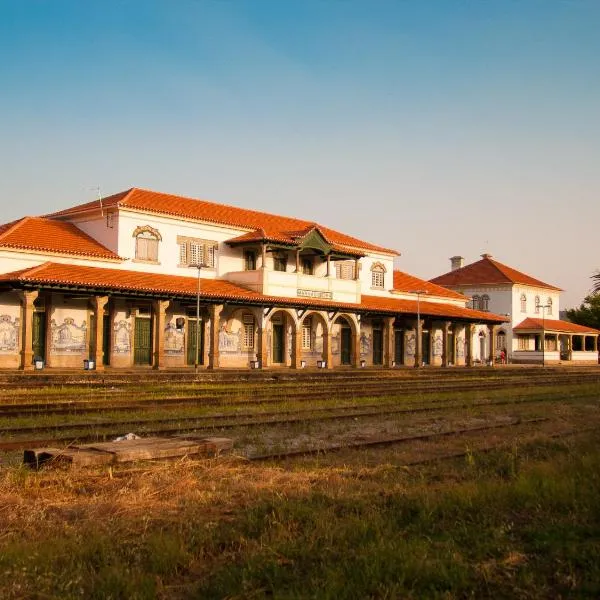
(275, 227)
(488, 271)
(530, 324)
(135, 281)
(46, 235)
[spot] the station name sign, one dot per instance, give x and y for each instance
(314, 294)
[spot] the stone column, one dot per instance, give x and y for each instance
(98, 303)
(297, 261)
(356, 348)
(327, 353)
(159, 308)
(418, 343)
(388, 350)
(263, 350)
(445, 343)
(469, 344)
(492, 338)
(214, 311)
(296, 347)
(328, 265)
(263, 256)
(27, 300)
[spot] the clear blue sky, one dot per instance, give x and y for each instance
(437, 127)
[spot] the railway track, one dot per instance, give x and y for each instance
(275, 395)
(106, 430)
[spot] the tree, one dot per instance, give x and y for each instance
(596, 278)
(589, 312)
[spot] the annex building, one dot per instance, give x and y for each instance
(147, 279)
(532, 333)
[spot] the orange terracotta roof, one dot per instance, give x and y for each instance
(488, 271)
(551, 325)
(274, 226)
(172, 285)
(403, 282)
(46, 235)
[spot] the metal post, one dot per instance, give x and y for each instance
(199, 266)
(419, 335)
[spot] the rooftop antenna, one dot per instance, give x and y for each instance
(97, 188)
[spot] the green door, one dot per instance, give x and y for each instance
(106, 340)
(346, 346)
(191, 345)
(39, 335)
(143, 342)
(426, 348)
(277, 343)
(399, 346)
(377, 347)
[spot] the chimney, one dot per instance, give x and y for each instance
(486, 255)
(456, 262)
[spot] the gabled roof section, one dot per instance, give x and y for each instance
(39, 234)
(531, 324)
(119, 280)
(274, 226)
(488, 271)
(403, 282)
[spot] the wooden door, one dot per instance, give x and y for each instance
(142, 354)
(39, 335)
(399, 346)
(377, 347)
(278, 347)
(191, 343)
(346, 346)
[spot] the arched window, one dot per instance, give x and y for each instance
(501, 340)
(537, 305)
(484, 303)
(475, 302)
(523, 303)
(549, 306)
(146, 243)
(378, 275)
(307, 334)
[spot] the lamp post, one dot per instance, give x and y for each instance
(198, 266)
(418, 349)
(543, 307)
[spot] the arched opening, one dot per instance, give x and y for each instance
(482, 353)
(314, 338)
(344, 340)
(281, 331)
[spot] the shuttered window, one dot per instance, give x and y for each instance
(307, 334)
(193, 252)
(344, 269)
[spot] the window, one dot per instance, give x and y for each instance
(307, 266)
(248, 334)
(475, 302)
(249, 260)
(484, 303)
(537, 305)
(344, 269)
(549, 306)
(523, 342)
(501, 340)
(378, 275)
(146, 243)
(307, 334)
(280, 263)
(523, 303)
(194, 251)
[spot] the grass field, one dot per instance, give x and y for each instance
(522, 521)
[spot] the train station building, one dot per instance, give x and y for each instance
(153, 280)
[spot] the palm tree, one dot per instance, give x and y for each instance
(596, 278)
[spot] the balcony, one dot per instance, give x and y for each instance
(297, 285)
